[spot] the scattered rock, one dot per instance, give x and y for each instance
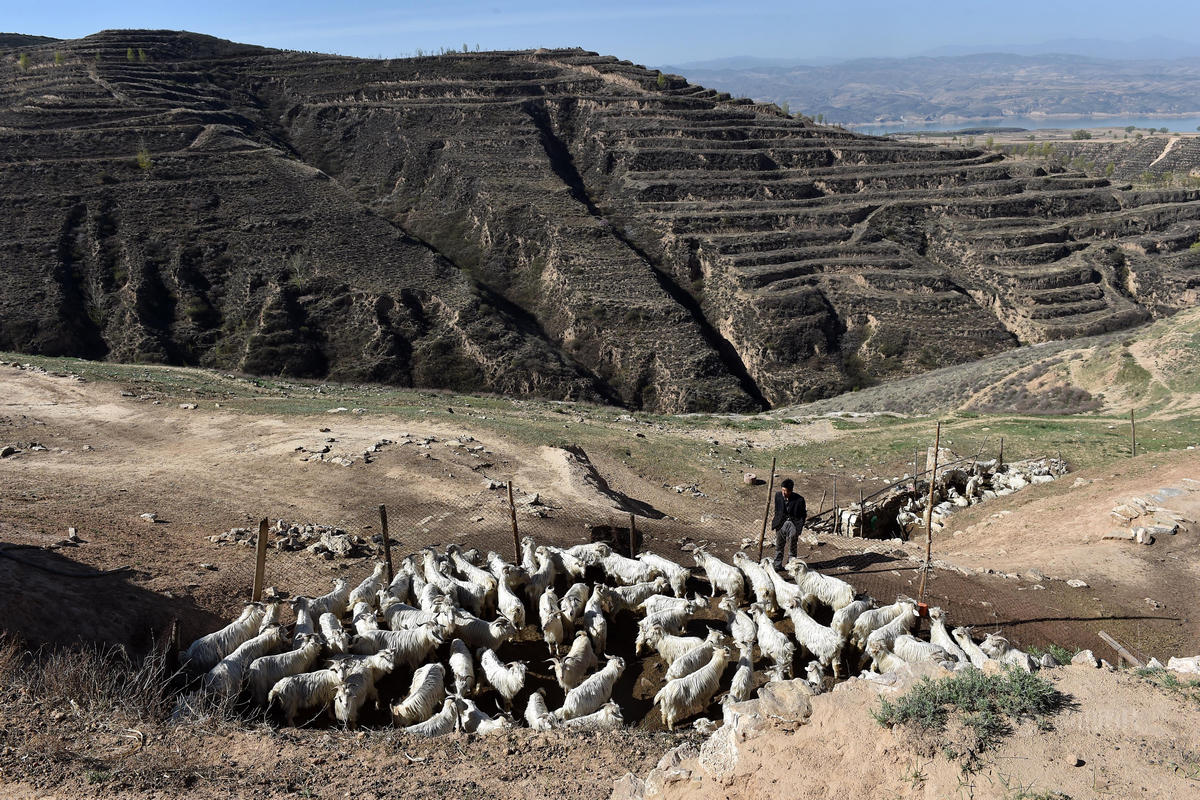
(188, 406)
(211, 567)
(1048, 660)
(1085, 658)
(337, 410)
(1075, 761)
(150, 517)
(1075, 583)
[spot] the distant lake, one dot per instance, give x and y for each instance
(1188, 124)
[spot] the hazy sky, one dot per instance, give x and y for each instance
(666, 31)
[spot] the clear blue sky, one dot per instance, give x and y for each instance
(666, 31)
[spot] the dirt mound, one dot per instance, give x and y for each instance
(1122, 737)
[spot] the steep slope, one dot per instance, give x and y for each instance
(552, 222)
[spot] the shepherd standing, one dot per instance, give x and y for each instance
(790, 514)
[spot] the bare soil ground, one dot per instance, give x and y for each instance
(1121, 738)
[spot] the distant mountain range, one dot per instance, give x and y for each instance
(966, 87)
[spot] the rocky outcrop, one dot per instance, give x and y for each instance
(551, 223)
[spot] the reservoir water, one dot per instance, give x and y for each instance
(1178, 124)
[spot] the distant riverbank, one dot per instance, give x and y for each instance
(1178, 124)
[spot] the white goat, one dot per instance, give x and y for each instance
(366, 591)
(772, 642)
(697, 657)
(574, 600)
(595, 621)
(204, 653)
(444, 722)
(593, 692)
(940, 636)
(479, 599)
(401, 586)
(661, 602)
(721, 576)
(915, 651)
(628, 571)
(478, 632)
(831, 591)
(882, 658)
(374, 667)
(537, 715)
(462, 667)
(742, 686)
(507, 601)
(974, 652)
(425, 693)
(590, 553)
(411, 647)
(350, 696)
(541, 578)
(506, 679)
(553, 622)
(825, 644)
(336, 602)
(1000, 649)
(607, 718)
(303, 692)
(845, 617)
(264, 672)
(668, 646)
(571, 669)
(901, 624)
(739, 624)
(364, 618)
(760, 581)
(226, 678)
(336, 638)
(691, 694)
(787, 593)
(870, 621)
(528, 555)
(566, 563)
(676, 574)
(626, 598)
(306, 623)
(270, 616)
(479, 577)
(474, 720)
(674, 619)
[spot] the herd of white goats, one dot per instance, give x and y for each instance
(444, 617)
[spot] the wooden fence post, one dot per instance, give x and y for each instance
(821, 505)
(1000, 460)
(837, 516)
(260, 561)
(512, 510)
(862, 513)
(1132, 434)
(387, 543)
(632, 536)
(937, 446)
(767, 514)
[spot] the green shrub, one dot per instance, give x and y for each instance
(129, 54)
(23, 61)
(144, 161)
(1080, 134)
(985, 705)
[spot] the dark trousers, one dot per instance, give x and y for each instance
(785, 535)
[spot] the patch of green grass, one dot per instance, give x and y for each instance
(1062, 655)
(1188, 688)
(985, 705)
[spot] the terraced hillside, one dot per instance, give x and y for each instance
(554, 223)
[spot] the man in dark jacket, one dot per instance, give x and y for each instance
(790, 514)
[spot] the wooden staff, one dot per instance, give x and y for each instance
(512, 510)
(260, 561)
(632, 536)
(862, 514)
(767, 514)
(937, 445)
(387, 543)
(837, 517)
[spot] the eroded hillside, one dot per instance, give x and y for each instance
(554, 223)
